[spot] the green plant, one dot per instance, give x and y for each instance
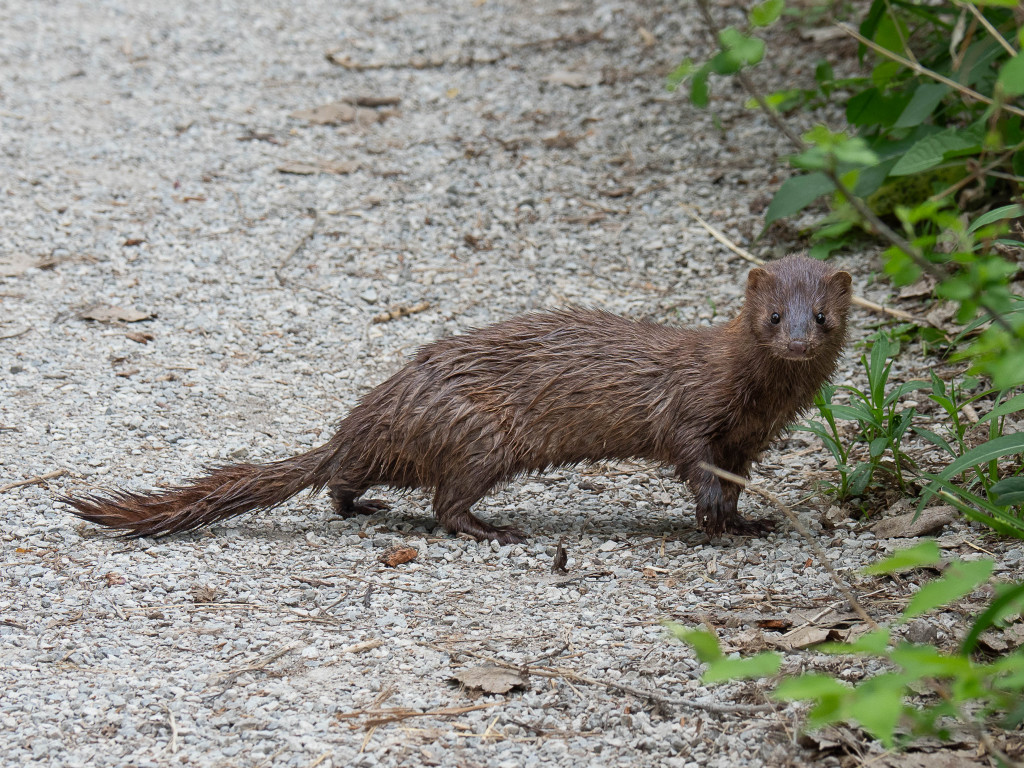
(956, 687)
(881, 423)
(852, 480)
(933, 133)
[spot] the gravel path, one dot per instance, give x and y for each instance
(533, 159)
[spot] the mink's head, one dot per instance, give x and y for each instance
(796, 308)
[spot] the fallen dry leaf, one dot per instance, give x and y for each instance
(573, 79)
(14, 264)
(905, 526)
(335, 113)
(923, 288)
(299, 168)
(617, 191)
(490, 679)
(139, 337)
(107, 314)
(361, 110)
(564, 140)
(946, 758)
(397, 555)
(203, 593)
(748, 641)
(804, 637)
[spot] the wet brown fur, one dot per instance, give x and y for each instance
(550, 389)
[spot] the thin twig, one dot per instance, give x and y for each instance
(987, 25)
(16, 334)
(568, 674)
(811, 542)
(860, 301)
(975, 175)
(962, 89)
(260, 663)
(172, 745)
(297, 247)
(34, 480)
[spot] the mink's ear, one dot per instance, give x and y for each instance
(840, 282)
(757, 280)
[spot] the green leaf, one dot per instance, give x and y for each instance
(877, 446)
(974, 507)
(1014, 404)
(930, 151)
(854, 413)
(809, 686)
(1008, 492)
(761, 665)
(1005, 445)
(796, 193)
(878, 706)
(900, 266)
(891, 33)
(676, 76)
(1013, 211)
(935, 440)
(704, 644)
(766, 13)
(699, 88)
(871, 107)
(991, 615)
(823, 72)
(742, 50)
(924, 101)
(1011, 76)
(927, 661)
(855, 151)
(961, 578)
(925, 553)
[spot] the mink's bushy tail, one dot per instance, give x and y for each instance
(222, 493)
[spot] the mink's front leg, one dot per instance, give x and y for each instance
(717, 502)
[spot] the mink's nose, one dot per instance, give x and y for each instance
(798, 346)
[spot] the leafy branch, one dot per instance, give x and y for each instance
(827, 163)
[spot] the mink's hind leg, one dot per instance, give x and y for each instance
(451, 507)
(343, 499)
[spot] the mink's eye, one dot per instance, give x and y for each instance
(775, 318)
(820, 318)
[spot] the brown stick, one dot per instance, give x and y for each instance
(34, 480)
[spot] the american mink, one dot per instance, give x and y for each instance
(550, 389)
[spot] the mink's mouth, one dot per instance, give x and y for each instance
(794, 356)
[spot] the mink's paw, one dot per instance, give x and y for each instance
(743, 527)
(483, 531)
(346, 508)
